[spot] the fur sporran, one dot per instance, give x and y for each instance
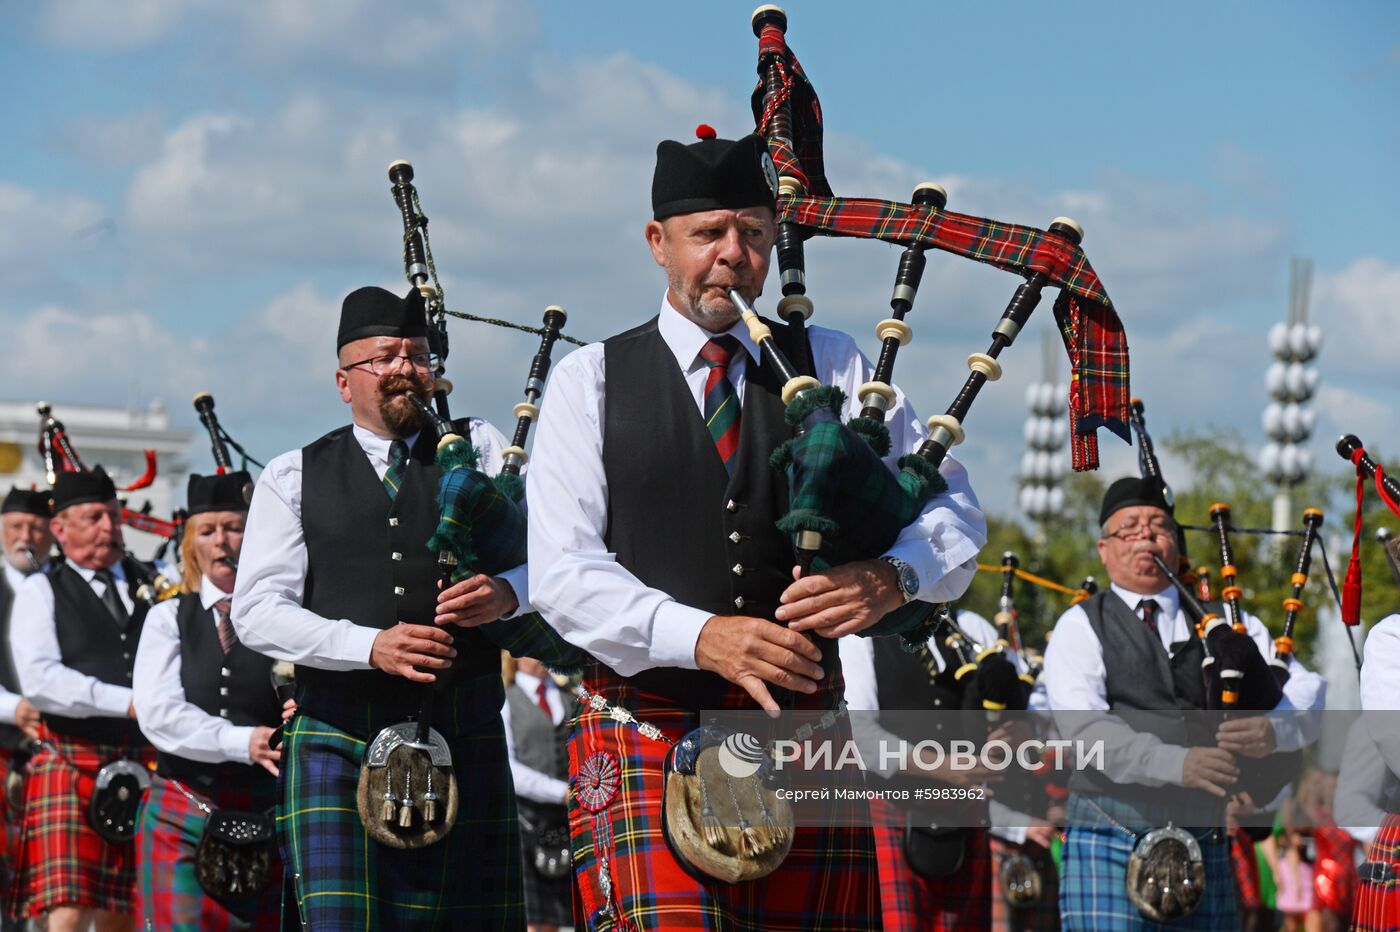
(407, 794)
(1166, 874)
(234, 853)
(721, 814)
(116, 798)
(552, 857)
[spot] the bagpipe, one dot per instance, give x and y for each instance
(149, 585)
(219, 439)
(1236, 675)
(844, 503)
(1350, 448)
(57, 451)
(407, 769)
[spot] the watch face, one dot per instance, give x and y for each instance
(908, 579)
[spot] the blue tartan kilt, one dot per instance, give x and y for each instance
(1093, 881)
(469, 880)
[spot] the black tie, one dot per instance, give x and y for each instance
(110, 597)
(1149, 609)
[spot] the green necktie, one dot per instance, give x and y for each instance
(393, 476)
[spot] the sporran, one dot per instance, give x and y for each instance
(116, 798)
(1166, 874)
(407, 793)
(234, 853)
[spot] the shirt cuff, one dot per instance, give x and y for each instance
(518, 578)
(675, 629)
(114, 700)
(8, 703)
(359, 643)
(1170, 759)
(234, 743)
(933, 565)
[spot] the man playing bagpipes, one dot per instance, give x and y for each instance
(1133, 648)
(653, 547)
(208, 704)
(337, 578)
(73, 637)
(26, 540)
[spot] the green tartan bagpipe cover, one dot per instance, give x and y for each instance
(839, 486)
(483, 525)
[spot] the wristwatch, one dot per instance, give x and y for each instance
(906, 576)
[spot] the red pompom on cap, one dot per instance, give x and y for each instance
(705, 131)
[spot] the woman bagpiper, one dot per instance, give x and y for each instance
(206, 848)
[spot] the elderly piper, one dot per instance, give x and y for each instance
(654, 548)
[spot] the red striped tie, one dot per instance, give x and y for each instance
(721, 400)
(226, 636)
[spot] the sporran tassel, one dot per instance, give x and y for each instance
(430, 801)
(386, 808)
(406, 808)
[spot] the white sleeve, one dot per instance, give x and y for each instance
(1296, 722)
(863, 701)
(943, 542)
(530, 783)
(1076, 681)
(267, 613)
(53, 688)
(9, 702)
(1380, 689)
(168, 721)
(579, 587)
(490, 442)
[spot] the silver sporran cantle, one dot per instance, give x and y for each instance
(1166, 874)
(407, 794)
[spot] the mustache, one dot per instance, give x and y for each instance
(396, 384)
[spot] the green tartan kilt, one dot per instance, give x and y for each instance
(343, 880)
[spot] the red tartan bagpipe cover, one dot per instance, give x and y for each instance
(1092, 333)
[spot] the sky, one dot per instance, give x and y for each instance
(188, 189)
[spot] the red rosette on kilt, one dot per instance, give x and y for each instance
(61, 860)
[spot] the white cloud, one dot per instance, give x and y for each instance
(101, 24)
(41, 232)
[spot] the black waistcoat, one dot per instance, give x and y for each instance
(10, 736)
(91, 642)
(237, 687)
(1140, 676)
(368, 561)
(676, 520)
(905, 681)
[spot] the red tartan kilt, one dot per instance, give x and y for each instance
(1378, 905)
(1246, 867)
(913, 903)
(61, 860)
(828, 880)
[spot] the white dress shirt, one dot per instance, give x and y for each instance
(1380, 690)
(1075, 680)
(53, 688)
(1363, 784)
(267, 612)
(170, 721)
(595, 603)
(530, 783)
(9, 701)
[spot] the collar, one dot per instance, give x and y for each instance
(530, 683)
(375, 446)
(14, 577)
(685, 338)
(1168, 600)
(116, 569)
(210, 593)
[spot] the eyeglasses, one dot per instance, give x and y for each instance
(382, 364)
(1151, 529)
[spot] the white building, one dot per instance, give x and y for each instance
(116, 438)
